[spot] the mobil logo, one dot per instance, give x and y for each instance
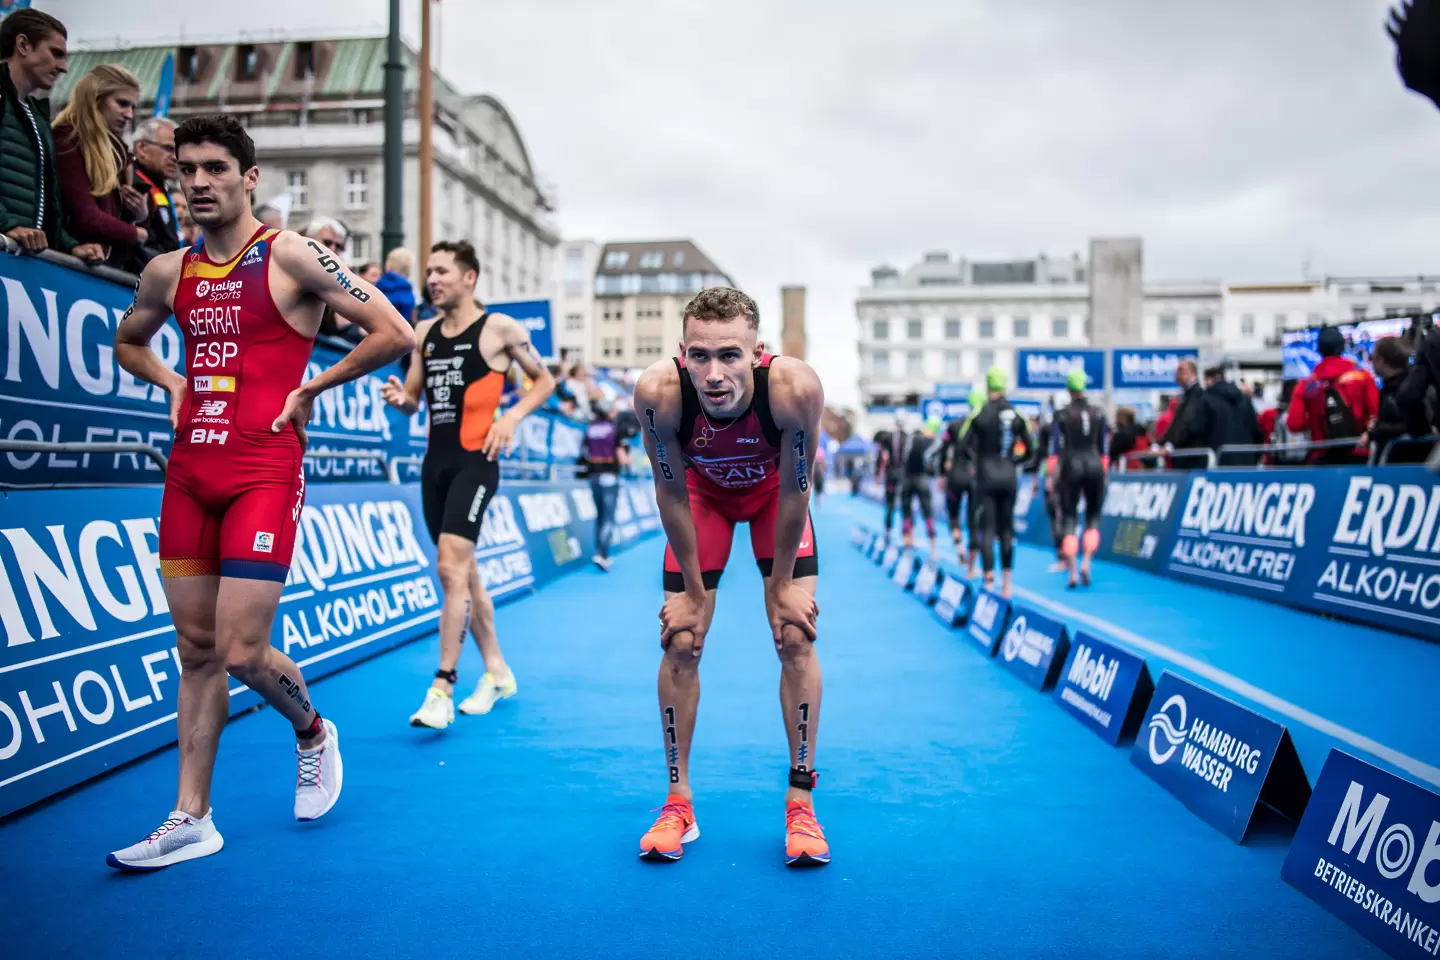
(1245, 533)
(1381, 558)
(1368, 851)
(989, 617)
(1034, 647)
(1217, 757)
(1105, 687)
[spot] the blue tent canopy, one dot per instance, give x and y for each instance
(855, 445)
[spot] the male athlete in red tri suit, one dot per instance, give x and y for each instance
(732, 434)
(248, 300)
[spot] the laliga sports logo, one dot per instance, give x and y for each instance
(1014, 638)
(1169, 729)
(202, 289)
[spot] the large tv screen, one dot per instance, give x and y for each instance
(1298, 353)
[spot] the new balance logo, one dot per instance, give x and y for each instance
(211, 408)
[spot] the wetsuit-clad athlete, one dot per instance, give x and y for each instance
(1078, 463)
(915, 485)
(954, 464)
(998, 440)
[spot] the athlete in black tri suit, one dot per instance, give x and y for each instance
(915, 485)
(998, 440)
(1077, 445)
(460, 364)
(890, 467)
(953, 462)
(1045, 474)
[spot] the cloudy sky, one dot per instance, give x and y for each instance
(800, 141)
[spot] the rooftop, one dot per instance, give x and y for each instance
(655, 257)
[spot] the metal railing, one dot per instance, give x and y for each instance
(80, 446)
(1205, 452)
(1274, 449)
(373, 455)
(1404, 440)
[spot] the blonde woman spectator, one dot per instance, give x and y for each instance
(92, 163)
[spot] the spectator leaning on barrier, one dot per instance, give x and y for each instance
(32, 57)
(1183, 431)
(1392, 362)
(1127, 437)
(394, 282)
(1336, 402)
(1227, 417)
(94, 167)
(155, 166)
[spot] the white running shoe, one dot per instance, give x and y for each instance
(487, 693)
(602, 562)
(180, 837)
(317, 786)
(437, 712)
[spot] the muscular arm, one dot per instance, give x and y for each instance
(657, 404)
(143, 320)
(797, 401)
(407, 398)
(319, 274)
(517, 347)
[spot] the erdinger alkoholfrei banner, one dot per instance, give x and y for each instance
(89, 670)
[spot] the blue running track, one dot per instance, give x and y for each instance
(969, 817)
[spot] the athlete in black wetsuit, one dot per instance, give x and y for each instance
(954, 464)
(998, 440)
(1078, 462)
(916, 485)
(890, 467)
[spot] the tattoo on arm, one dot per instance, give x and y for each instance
(332, 266)
(659, 447)
(801, 480)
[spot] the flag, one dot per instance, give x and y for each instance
(10, 6)
(167, 84)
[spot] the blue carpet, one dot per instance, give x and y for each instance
(968, 816)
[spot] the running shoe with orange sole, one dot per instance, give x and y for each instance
(805, 844)
(675, 827)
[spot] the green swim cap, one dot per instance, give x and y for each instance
(977, 398)
(934, 424)
(1076, 380)
(996, 379)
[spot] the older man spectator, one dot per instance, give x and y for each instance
(335, 237)
(155, 168)
(1185, 430)
(32, 56)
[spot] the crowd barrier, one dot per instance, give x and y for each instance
(62, 385)
(89, 671)
(1361, 543)
(1366, 843)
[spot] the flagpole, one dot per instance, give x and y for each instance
(392, 232)
(427, 111)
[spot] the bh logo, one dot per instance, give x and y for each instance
(1014, 638)
(1171, 730)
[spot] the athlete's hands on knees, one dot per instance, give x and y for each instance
(788, 602)
(297, 411)
(500, 438)
(681, 613)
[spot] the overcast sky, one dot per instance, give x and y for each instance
(800, 141)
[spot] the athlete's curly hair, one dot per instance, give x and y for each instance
(723, 303)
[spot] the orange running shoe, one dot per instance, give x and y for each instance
(675, 827)
(805, 844)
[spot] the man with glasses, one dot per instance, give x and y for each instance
(155, 167)
(333, 236)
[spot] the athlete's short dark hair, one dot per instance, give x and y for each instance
(463, 251)
(223, 131)
(34, 25)
(722, 303)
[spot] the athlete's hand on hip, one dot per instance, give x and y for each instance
(680, 613)
(177, 401)
(393, 391)
(500, 438)
(793, 604)
(297, 412)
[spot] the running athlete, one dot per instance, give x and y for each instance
(890, 467)
(248, 300)
(998, 440)
(915, 485)
(732, 432)
(1040, 464)
(1077, 444)
(460, 364)
(955, 465)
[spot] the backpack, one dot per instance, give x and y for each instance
(1338, 422)
(1282, 436)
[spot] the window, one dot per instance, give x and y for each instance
(247, 63)
(613, 314)
(987, 328)
(189, 64)
(880, 363)
(616, 258)
(1168, 324)
(914, 364)
(649, 260)
(1316, 319)
(1358, 311)
(360, 248)
(952, 328)
(612, 346)
(1247, 325)
(678, 259)
(304, 60)
(984, 360)
(647, 346)
(882, 329)
(1281, 321)
(1022, 328)
(574, 271)
(574, 321)
(1204, 325)
(1060, 328)
(297, 184)
(915, 329)
(1393, 310)
(952, 363)
(357, 188)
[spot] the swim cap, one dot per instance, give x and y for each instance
(977, 398)
(996, 379)
(1076, 380)
(934, 424)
